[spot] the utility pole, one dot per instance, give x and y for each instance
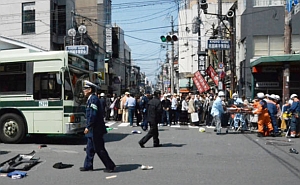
(232, 32)
(172, 58)
(199, 29)
(220, 57)
(287, 50)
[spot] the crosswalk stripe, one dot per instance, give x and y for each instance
(109, 124)
(123, 124)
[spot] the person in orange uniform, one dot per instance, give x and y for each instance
(264, 120)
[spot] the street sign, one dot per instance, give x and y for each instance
(78, 49)
(202, 60)
(220, 65)
(218, 44)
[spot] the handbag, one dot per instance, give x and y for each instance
(120, 111)
(194, 117)
(113, 104)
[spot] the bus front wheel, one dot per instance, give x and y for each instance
(11, 128)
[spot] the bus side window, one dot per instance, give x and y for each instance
(46, 86)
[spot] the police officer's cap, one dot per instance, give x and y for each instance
(88, 84)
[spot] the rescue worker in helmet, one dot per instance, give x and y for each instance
(238, 117)
(217, 110)
(264, 122)
(272, 109)
(295, 110)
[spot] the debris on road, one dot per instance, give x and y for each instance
(144, 167)
(111, 177)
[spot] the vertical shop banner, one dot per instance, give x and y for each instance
(202, 81)
(213, 75)
(197, 83)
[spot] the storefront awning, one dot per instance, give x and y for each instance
(276, 59)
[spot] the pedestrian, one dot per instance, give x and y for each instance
(130, 106)
(154, 113)
(138, 113)
(103, 103)
(217, 111)
(184, 110)
(295, 110)
(174, 113)
(166, 105)
(143, 107)
(124, 109)
(108, 109)
(191, 109)
(117, 108)
(94, 131)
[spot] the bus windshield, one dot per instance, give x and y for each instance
(73, 83)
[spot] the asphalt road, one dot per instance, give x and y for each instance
(187, 157)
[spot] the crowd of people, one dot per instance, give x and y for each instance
(176, 108)
(273, 118)
(167, 109)
(157, 109)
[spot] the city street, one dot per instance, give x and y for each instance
(186, 157)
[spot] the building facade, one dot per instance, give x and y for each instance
(195, 29)
(262, 35)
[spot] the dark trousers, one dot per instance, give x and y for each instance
(144, 124)
(100, 150)
(174, 116)
(153, 132)
(274, 123)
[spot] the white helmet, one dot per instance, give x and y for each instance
(260, 95)
(221, 93)
(293, 96)
(102, 94)
(234, 95)
(273, 96)
(277, 97)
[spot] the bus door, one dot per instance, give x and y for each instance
(48, 116)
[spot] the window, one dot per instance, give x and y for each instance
(13, 78)
(59, 19)
(28, 18)
(47, 86)
(269, 2)
(268, 45)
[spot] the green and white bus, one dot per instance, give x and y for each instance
(41, 93)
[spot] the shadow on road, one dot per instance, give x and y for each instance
(55, 139)
(4, 152)
(172, 145)
(68, 139)
(111, 137)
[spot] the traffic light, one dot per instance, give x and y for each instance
(169, 38)
(204, 6)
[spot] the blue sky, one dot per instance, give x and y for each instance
(143, 22)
